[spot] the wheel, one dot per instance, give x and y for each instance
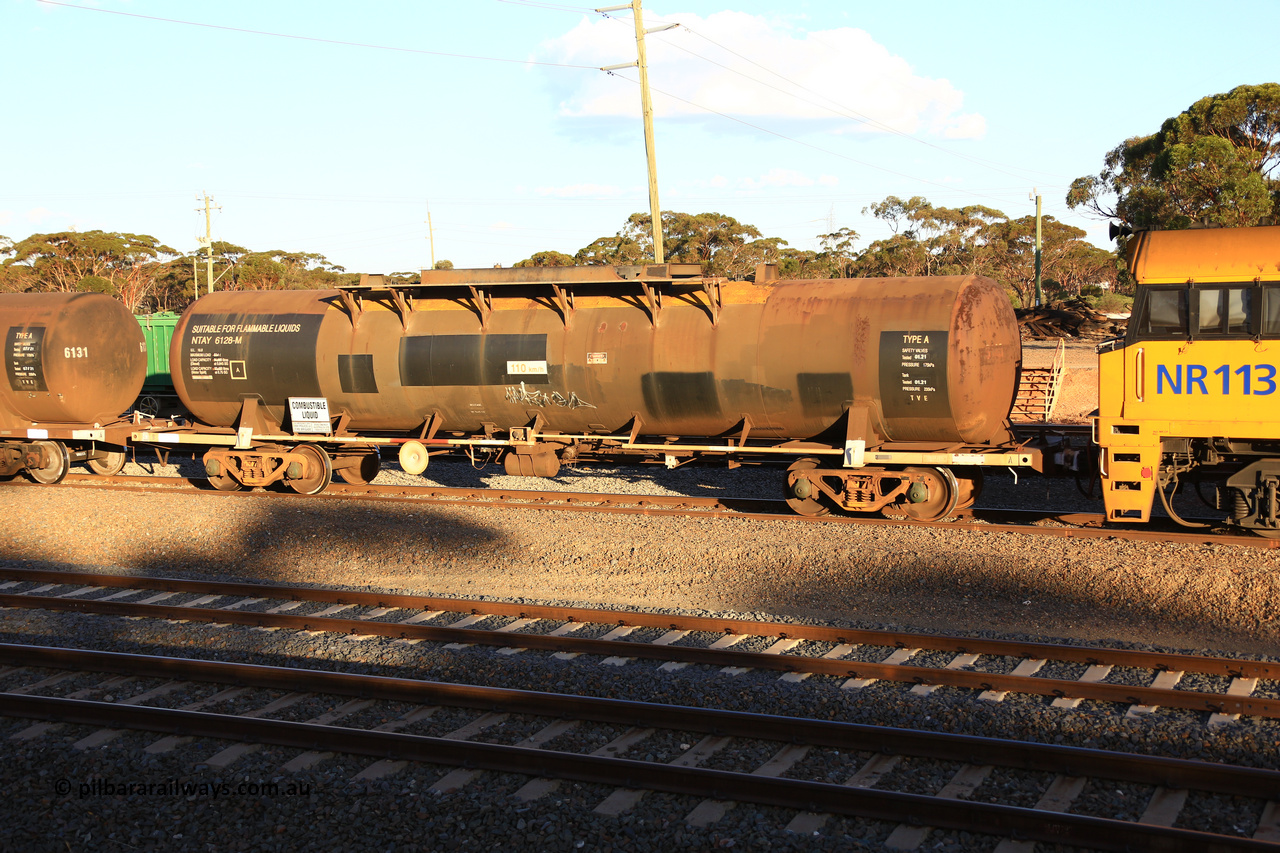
(802, 496)
(316, 474)
(109, 465)
(941, 493)
(216, 472)
(148, 406)
(969, 488)
(413, 457)
(362, 474)
(56, 463)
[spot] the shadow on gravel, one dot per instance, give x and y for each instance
(1014, 585)
(286, 538)
(704, 481)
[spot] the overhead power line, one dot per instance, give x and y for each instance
(318, 40)
(809, 145)
(838, 109)
(552, 7)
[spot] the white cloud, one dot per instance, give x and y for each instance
(841, 77)
(777, 178)
(580, 191)
(502, 226)
(770, 179)
(969, 126)
(6, 216)
(36, 215)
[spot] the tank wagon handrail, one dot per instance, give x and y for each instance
(515, 276)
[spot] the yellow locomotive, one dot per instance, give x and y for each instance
(1193, 390)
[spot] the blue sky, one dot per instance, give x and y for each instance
(790, 116)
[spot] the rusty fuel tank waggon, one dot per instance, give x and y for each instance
(554, 364)
(73, 363)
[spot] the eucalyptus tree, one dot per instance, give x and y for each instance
(1218, 161)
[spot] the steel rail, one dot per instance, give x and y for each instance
(1159, 661)
(1118, 693)
(1099, 833)
(1079, 525)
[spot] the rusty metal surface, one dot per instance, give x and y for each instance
(1058, 525)
(1235, 667)
(695, 359)
(1119, 693)
(913, 809)
(1094, 832)
(1201, 775)
(70, 358)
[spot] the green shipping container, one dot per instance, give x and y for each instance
(158, 330)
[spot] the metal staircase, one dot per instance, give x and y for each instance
(1038, 389)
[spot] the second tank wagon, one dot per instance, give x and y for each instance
(926, 359)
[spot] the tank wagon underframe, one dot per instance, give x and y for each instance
(852, 477)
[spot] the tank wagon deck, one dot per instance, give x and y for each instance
(879, 392)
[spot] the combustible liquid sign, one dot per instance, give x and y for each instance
(310, 415)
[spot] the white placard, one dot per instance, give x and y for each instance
(310, 415)
(855, 453)
(526, 368)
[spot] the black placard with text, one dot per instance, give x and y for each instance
(913, 375)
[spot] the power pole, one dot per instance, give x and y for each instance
(1039, 293)
(207, 242)
(646, 109)
(431, 235)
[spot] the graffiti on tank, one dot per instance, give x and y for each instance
(526, 396)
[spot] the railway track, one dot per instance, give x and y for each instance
(32, 677)
(1030, 522)
(993, 668)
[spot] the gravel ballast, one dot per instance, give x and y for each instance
(1193, 597)
(1207, 599)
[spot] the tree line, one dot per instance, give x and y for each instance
(147, 275)
(1215, 163)
(925, 240)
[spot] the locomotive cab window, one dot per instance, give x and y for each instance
(1271, 310)
(1162, 313)
(1193, 312)
(1225, 311)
